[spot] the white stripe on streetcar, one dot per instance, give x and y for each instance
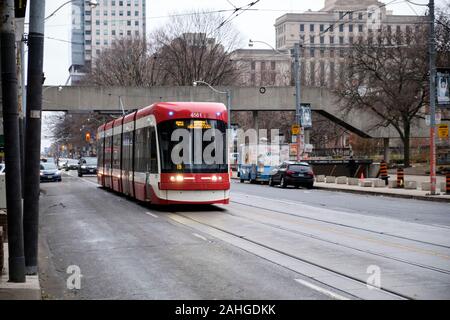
(321, 290)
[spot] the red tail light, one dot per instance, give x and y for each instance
(289, 172)
(311, 173)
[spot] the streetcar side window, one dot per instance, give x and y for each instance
(116, 152)
(139, 150)
(153, 153)
(100, 150)
(108, 146)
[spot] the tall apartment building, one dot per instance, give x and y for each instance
(96, 27)
(326, 35)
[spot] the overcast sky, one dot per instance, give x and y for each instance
(257, 25)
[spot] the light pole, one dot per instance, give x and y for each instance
(227, 93)
(297, 84)
(432, 55)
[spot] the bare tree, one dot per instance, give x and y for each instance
(126, 63)
(387, 74)
(193, 47)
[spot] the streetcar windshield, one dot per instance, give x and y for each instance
(193, 146)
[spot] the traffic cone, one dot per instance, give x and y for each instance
(361, 178)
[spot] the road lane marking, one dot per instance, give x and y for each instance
(321, 290)
(199, 236)
(151, 214)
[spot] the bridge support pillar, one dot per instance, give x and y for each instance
(255, 120)
(387, 153)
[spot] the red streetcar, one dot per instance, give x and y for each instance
(167, 153)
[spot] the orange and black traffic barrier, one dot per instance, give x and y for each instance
(400, 178)
(383, 174)
(447, 182)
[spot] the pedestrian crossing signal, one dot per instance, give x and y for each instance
(88, 137)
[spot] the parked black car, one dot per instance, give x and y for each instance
(49, 172)
(72, 164)
(298, 174)
(87, 165)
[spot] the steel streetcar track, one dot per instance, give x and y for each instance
(345, 246)
(340, 274)
(345, 225)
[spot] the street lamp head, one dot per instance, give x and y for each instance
(194, 83)
(60, 88)
(250, 43)
(93, 4)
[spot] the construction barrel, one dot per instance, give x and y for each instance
(383, 173)
(400, 178)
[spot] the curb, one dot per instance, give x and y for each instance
(386, 194)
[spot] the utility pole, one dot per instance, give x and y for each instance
(16, 261)
(297, 93)
(33, 133)
(432, 54)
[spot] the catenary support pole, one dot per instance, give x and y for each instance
(33, 133)
(297, 92)
(432, 54)
(16, 261)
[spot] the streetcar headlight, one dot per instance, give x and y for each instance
(176, 178)
(214, 178)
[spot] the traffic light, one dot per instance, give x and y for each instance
(88, 137)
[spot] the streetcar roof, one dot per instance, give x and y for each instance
(173, 110)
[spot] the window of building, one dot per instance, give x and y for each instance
(97, 42)
(128, 32)
(331, 28)
(97, 51)
(87, 13)
(321, 28)
(263, 66)
(360, 16)
(121, 3)
(121, 13)
(341, 40)
(341, 15)
(312, 73)
(88, 42)
(360, 27)
(97, 13)
(113, 32)
(88, 32)
(350, 16)
(252, 65)
(113, 2)
(113, 13)
(273, 78)
(128, 22)
(136, 23)
(331, 39)
(322, 40)
(105, 22)
(136, 33)
(311, 39)
(136, 13)
(302, 27)
(97, 22)
(350, 40)
(252, 79)
(128, 13)
(341, 27)
(105, 32)
(350, 28)
(97, 32)
(105, 42)
(311, 27)
(105, 13)
(331, 53)
(272, 65)
(341, 53)
(312, 52)
(128, 3)
(322, 52)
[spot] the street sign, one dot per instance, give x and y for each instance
(20, 8)
(295, 129)
(443, 131)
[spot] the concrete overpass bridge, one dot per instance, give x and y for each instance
(78, 99)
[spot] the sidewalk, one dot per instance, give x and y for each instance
(30, 290)
(418, 194)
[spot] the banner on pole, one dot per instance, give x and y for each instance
(443, 87)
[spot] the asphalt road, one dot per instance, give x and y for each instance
(269, 243)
